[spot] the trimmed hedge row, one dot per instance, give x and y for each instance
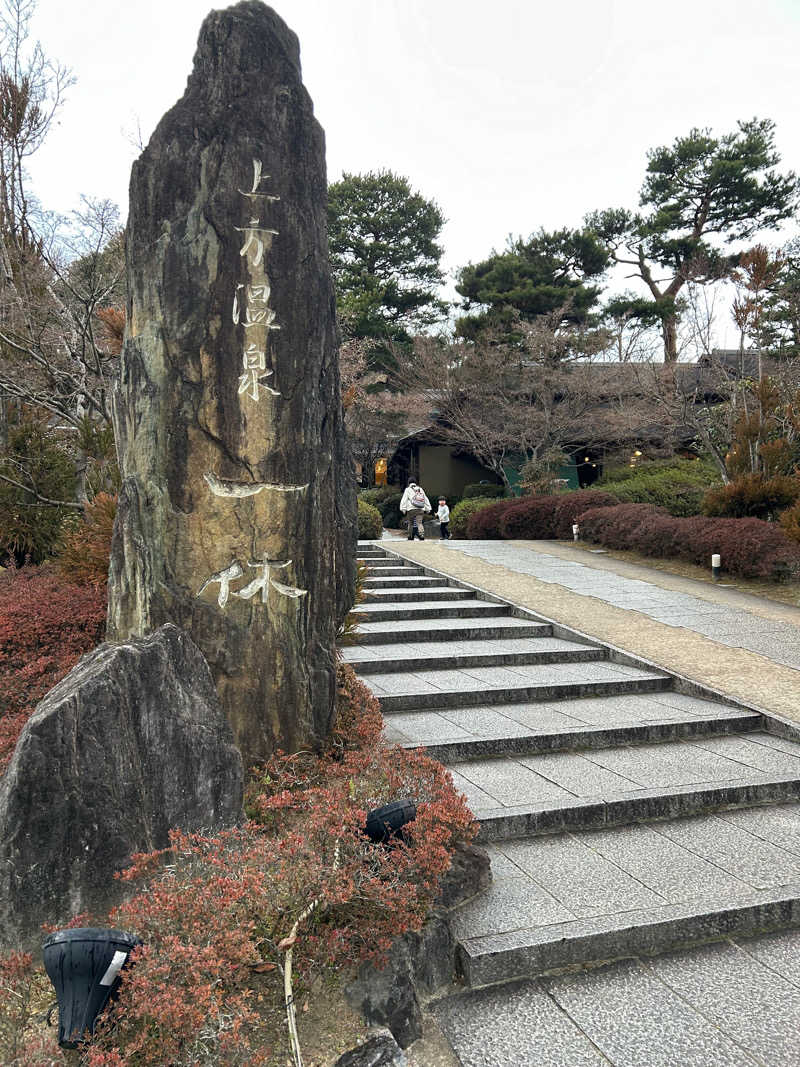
(461, 513)
(485, 524)
(749, 548)
(370, 523)
(536, 517)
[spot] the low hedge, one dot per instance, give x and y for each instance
(749, 548)
(678, 485)
(485, 524)
(483, 490)
(530, 518)
(378, 493)
(461, 513)
(549, 517)
(568, 506)
(370, 523)
(753, 496)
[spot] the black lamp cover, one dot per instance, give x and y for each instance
(84, 967)
(388, 821)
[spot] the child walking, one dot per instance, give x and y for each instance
(443, 515)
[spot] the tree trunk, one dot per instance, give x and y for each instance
(669, 330)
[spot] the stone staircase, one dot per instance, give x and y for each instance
(626, 811)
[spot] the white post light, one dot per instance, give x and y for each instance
(575, 531)
(715, 566)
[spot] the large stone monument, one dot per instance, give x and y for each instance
(237, 514)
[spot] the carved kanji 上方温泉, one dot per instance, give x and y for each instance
(254, 361)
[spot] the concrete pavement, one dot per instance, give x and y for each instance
(627, 810)
(739, 645)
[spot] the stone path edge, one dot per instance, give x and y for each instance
(496, 959)
(781, 714)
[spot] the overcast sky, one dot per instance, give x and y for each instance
(511, 115)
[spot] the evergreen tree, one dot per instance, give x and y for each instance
(533, 277)
(700, 194)
(385, 256)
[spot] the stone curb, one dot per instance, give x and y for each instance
(490, 659)
(527, 820)
(590, 737)
(529, 953)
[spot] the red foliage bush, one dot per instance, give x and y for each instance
(531, 519)
(568, 506)
(485, 524)
(23, 989)
(749, 548)
(218, 919)
(548, 517)
(46, 625)
(619, 523)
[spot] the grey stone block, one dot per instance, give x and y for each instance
(739, 995)
(527, 953)
(732, 848)
(132, 743)
(633, 1018)
(584, 881)
(514, 1027)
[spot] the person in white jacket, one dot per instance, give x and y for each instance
(415, 505)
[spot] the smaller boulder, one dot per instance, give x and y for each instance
(131, 744)
(380, 1050)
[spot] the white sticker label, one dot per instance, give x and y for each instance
(114, 968)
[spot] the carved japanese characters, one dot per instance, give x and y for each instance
(237, 515)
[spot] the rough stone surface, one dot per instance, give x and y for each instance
(380, 1050)
(129, 745)
(470, 873)
(388, 997)
(237, 514)
(420, 963)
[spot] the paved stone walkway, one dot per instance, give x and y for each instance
(725, 616)
(568, 593)
(627, 811)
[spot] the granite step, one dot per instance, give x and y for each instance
(522, 796)
(435, 609)
(591, 895)
(393, 570)
(389, 632)
(501, 741)
(400, 581)
(403, 596)
(455, 655)
(425, 688)
(623, 816)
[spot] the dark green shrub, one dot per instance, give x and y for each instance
(753, 496)
(378, 493)
(370, 524)
(484, 490)
(485, 524)
(677, 485)
(462, 512)
(28, 529)
(389, 508)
